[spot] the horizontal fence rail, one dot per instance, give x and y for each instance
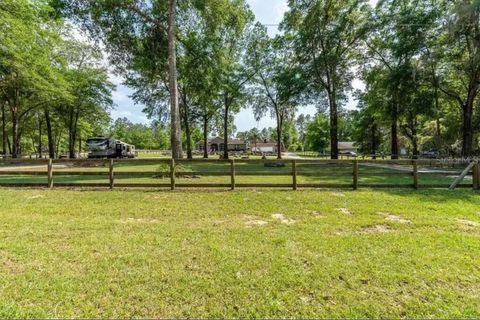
(170, 171)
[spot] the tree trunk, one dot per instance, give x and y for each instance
(19, 141)
(415, 147)
(71, 151)
(467, 130)
(205, 137)
(9, 146)
(51, 142)
(394, 133)
(188, 133)
(374, 142)
(438, 133)
(415, 141)
(15, 137)
(79, 144)
(71, 143)
(333, 127)
(279, 136)
(40, 144)
(57, 143)
(71, 137)
(4, 131)
(176, 135)
(72, 140)
(72, 132)
(225, 130)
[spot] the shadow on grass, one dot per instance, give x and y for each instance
(435, 195)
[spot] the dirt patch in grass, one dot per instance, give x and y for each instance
(37, 196)
(468, 223)
(394, 218)
(256, 223)
(280, 217)
(11, 266)
(378, 228)
(338, 194)
(218, 222)
(317, 215)
(371, 229)
(344, 211)
(139, 220)
(251, 221)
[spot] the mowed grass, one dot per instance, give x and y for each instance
(253, 253)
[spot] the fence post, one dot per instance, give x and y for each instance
(294, 174)
(110, 173)
(476, 176)
(50, 173)
(172, 174)
(355, 174)
(456, 182)
(415, 174)
(232, 173)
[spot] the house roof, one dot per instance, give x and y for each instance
(236, 141)
(216, 139)
(346, 145)
(265, 144)
(230, 141)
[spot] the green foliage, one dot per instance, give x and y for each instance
(290, 137)
(142, 136)
(275, 87)
(419, 60)
(302, 123)
(415, 54)
(367, 129)
(317, 134)
(30, 67)
(47, 76)
(326, 37)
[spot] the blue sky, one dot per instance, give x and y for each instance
(267, 12)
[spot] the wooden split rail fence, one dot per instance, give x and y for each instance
(173, 174)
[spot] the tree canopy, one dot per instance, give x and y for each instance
(194, 64)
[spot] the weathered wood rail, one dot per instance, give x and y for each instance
(46, 168)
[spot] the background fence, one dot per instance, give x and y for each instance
(232, 174)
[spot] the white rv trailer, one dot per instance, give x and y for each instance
(104, 147)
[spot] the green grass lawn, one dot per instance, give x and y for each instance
(253, 253)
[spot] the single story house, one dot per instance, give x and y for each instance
(217, 145)
(346, 147)
(264, 147)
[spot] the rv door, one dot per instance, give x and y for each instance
(118, 150)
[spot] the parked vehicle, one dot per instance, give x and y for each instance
(430, 154)
(105, 147)
(349, 153)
